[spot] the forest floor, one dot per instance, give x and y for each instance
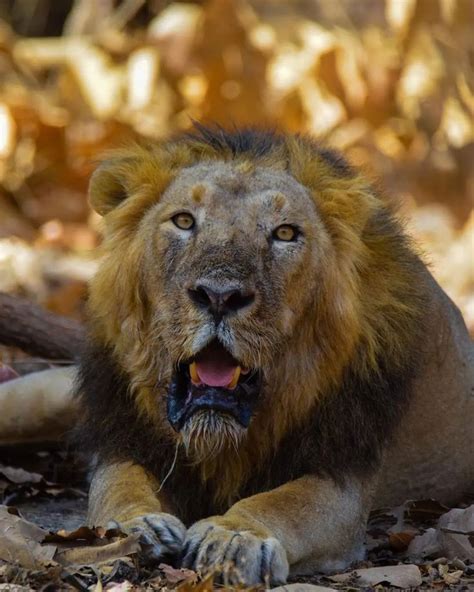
(47, 487)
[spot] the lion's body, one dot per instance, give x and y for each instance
(432, 454)
(356, 343)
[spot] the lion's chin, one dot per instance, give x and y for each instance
(208, 432)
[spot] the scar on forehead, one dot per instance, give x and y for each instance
(279, 201)
(234, 182)
(246, 167)
(197, 193)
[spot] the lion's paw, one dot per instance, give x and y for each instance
(235, 556)
(161, 534)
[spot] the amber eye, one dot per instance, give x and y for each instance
(286, 233)
(184, 221)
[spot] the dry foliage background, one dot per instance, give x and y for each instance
(387, 81)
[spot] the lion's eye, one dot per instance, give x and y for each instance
(286, 233)
(183, 221)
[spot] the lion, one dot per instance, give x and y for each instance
(269, 358)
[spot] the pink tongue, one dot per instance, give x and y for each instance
(214, 374)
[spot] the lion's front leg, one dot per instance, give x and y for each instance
(305, 525)
(126, 496)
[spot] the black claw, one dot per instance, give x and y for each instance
(189, 554)
(175, 533)
(185, 548)
(210, 548)
(227, 557)
(191, 549)
(152, 554)
(163, 533)
(265, 563)
(149, 539)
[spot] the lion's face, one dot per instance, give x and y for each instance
(232, 258)
(231, 280)
(245, 276)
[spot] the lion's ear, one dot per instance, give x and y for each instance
(107, 186)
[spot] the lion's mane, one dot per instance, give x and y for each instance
(343, 380)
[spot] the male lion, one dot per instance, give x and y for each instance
(269, 357)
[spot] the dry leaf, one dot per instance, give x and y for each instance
(20, 541)
(205, 585)
(424, 510)
(450, 538)
(453, 577)
(98, 554)
(399, 541)
(458, 520)
(399, 576)
(7, 373)
(124, 586)
(457, 124)
(84, 533)
(20, 476)
(173, 575)
(302, 588)
(425, 545)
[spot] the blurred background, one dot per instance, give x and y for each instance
(389, 82)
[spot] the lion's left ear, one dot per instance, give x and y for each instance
(107, 186)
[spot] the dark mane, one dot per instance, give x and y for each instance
(257, 143)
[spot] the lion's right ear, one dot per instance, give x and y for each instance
(107, 186)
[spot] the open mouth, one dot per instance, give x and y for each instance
(213, 380)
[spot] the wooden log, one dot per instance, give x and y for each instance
(26, 325)
(38, 407)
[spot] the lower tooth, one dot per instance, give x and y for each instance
(193, 372)
(235, 378)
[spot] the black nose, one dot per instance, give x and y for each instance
(220, 301)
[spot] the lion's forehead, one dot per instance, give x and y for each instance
(213, 183)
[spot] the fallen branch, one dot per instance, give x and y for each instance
(38, 407)
(38, 332)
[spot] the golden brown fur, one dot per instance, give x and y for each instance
(336, 328)
(345, 308)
